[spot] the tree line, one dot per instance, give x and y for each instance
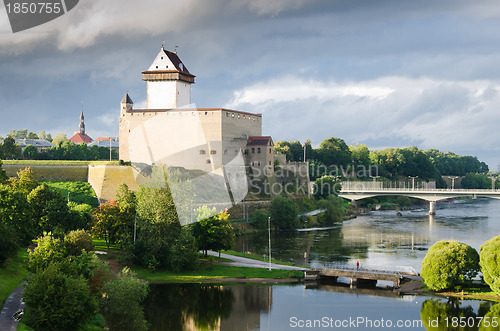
(391, 163)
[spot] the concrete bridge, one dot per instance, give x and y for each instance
(360, 190)
(361, 276)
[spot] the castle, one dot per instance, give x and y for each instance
(170, 129)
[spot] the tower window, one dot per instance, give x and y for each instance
(206, 113)
(258, 150)
(202, 152)
(156, 67)
(162, 57)
(213, 152)
(208, 162)
(253, 150)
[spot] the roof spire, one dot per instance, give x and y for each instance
(82, 124)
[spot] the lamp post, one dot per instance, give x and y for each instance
(269, 234)
(413, 182)
(68, 196)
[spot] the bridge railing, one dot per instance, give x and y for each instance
(366, 268)
(362, 186)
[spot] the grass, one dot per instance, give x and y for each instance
(12, 274)
(59, 162)
(257, 257)
(207, 271)
(79, 192)
(100, 245)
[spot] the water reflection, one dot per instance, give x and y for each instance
(382, 238)
(206, 307)
(452, 315)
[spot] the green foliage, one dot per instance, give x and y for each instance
(334, 151)
(284, 213)
(9, 150)
(49, 250)
(57, 301)
(488, 322)
(121, 302)
(8, 244)
(403, 201)
(51, 210)
(443, 312)
(448, 264)
(490, 263)
(260, 219)
(78, 240)
(184, 252)
(24, 182)
(106, 222)
(3, 175)
(15, 213)
(477, 181)
(451, 164)
(30, 152)
(79, 192)
(213, 233)
(360, 154)
(335, 210)
(325, 186)
(293, 150)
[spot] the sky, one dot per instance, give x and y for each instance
(385, 73)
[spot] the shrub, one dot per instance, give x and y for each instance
(56, 301)
(448, 264)
(8, 247)
(490, 263)
(76, 241)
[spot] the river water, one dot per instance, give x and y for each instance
(378, 239)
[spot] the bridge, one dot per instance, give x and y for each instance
(361, 276)
(360, 190)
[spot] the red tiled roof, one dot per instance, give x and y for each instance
(104, 139)
(259, 140)
(79, 138)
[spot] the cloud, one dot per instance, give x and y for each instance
(395, 111)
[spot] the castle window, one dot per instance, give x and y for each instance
(225, 152)
(206, 113)
(270, 151)
(208, 162)
(258, 150)
(269, 162)
(162, 57)
(202, 152)
(258, 163)
(213, 152)
(253, 150)
(156, 67)
(227, 114)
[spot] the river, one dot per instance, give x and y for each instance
(377, 239)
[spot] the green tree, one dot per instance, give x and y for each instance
(121, 303)
(10, 150)
(3, 175)
(476, 181)
(360, 154)
(334, 151)
(325, 186)
(213, 233)
(56, 301)
(25, 181)
(30, 152)
(105, 220)
(260, 219)
(48, 250)
(16, 213)
(284, 213)
(51, 210)
(43, 135)
(448, 264)
(490, 263)
(126, 203)
(32, 135)
(59, 139)
(8, 244)
(184, 252)
(438, 311)
(335, 210)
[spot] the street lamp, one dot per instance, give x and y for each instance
(269, 234)
(413, 182)
(68, 196)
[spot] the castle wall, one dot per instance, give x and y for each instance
(237, 127)
(168, 94)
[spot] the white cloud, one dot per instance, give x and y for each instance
(396, 111)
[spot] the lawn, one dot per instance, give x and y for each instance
(100, 245)
(59, 162)
(208, 271)
(12, 274)
(79, 192)
(257, 257)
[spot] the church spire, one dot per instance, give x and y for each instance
(82, 124)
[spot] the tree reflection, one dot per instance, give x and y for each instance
(440, 315)
(179, 306)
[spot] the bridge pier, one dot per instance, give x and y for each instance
(432, 207)
(363, 282)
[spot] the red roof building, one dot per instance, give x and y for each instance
(79, 138)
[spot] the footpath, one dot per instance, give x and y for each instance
(238, 261)
(12, 305)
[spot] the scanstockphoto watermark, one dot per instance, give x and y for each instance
(361, 322)
(26, 14)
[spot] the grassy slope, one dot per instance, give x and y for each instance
(79, 192)
(12, 274)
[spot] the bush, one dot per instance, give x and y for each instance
(448, 264)
(76, 241)
(55, 301)
(260, 219)
(8, 246)
(121, 302)
(403, 201)
(49, 250)
(490, 263)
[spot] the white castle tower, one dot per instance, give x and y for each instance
(168, 82)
